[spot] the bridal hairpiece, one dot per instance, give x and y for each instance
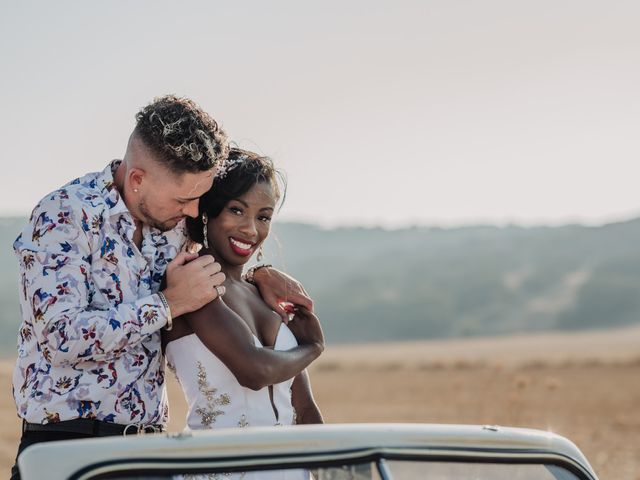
(230, 164)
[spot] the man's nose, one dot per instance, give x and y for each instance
(191, 209)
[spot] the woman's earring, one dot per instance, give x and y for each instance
(260, 255)
(205, 219)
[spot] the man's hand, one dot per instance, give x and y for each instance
(192, 282)
(305, 326)
(277, 287)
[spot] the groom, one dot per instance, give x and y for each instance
(92, 258)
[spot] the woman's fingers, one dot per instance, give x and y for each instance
(300, 298)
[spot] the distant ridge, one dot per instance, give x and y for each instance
(375, 284)
(424, 282)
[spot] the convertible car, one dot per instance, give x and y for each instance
(319, 452)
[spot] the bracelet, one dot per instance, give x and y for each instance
(251, 272)
(163, 299)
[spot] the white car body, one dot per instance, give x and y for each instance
(373, 451)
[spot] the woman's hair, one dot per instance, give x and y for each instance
(241, 171)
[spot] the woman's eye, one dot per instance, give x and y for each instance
(235, 210)
(264, 219)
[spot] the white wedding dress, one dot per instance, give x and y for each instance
(217, 400)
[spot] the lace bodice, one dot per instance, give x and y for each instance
(214, 396)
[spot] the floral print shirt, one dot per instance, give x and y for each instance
(89, 343)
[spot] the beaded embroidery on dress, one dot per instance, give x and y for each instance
(216, 400)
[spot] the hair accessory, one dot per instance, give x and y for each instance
(229, 165)
(205, 219)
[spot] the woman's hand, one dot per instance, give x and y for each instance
(306, 327)
(277, 288)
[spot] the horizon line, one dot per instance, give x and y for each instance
(434, 224)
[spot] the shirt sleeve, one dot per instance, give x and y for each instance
(54, 252)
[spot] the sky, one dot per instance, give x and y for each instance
(389, 113)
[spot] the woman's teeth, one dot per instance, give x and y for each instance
(241, 245)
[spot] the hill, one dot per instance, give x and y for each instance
(374, 284)
(371, 284)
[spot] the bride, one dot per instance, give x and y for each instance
(238, 364)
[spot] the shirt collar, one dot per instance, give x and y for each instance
(110, 193)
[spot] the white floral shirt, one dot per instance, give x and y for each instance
(89, 343)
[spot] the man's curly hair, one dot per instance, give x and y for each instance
(182, 136)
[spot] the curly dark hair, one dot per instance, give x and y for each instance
(182, 136)
(243, 170)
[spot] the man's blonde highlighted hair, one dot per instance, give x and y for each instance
(181, 135)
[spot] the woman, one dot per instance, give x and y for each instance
(230, 356)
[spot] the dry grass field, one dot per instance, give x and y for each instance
(585, 386)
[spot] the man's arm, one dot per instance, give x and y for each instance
(230, 339)
(55, 259)
(306, 408)
(55, 255)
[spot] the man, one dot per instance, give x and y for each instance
(92, 259)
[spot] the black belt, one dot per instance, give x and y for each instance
(86, 426)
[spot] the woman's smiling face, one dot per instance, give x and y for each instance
(242, 225)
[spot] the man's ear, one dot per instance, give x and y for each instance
(136, 177)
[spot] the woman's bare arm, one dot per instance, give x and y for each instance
(307, 409)
(231, 340)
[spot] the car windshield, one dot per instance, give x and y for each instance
(406, 470)
(381, 469)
